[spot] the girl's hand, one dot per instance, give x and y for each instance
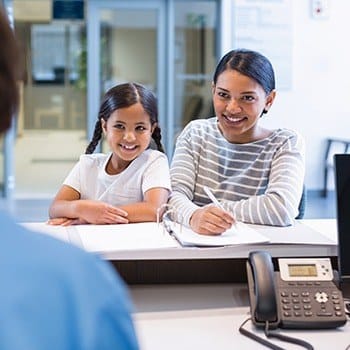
(98, 213)
(211, 220)
(60, 221)
(66, 222)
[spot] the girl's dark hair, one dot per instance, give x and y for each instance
(9, 72)
(249, 63)
(122, 96)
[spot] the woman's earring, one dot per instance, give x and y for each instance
(265, 111)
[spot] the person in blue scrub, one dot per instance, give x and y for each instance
(53, 295)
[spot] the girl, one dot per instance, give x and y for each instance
(257, 174)
(130, 183)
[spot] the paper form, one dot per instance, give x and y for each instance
(240, 234)
(108, 238)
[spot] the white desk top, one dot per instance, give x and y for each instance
(305, 238)
(327, 227)
(208, 317)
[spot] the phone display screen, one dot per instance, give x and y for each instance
(297, 270)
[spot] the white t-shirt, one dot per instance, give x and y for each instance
(149, 170)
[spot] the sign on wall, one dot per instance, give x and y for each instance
(266, 26)
(68, 9)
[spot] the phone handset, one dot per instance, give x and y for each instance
(263, 301)
(262, 289)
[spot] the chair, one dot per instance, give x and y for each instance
(192, 109)
(302, 204)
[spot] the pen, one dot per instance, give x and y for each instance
(215, 201)
(212, 197)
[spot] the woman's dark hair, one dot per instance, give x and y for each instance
(9, 72)
(123, 96)
(249, 63)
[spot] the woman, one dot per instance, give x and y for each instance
(257, 174)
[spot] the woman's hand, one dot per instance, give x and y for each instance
(211, 220)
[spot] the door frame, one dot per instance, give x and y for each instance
(9, 137)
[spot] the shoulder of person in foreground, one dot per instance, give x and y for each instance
(70, 298)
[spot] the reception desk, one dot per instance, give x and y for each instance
(145, 257)
(190, 297)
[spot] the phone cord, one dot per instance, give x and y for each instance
(286, 338)
(270, 334)
(258, 339)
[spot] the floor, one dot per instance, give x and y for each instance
(34, 210)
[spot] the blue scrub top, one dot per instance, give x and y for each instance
(54, 295)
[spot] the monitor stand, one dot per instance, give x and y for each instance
(344, 286)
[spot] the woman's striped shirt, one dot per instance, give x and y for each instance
(259, 182)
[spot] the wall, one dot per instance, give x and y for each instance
(317, 105)
(53, 107)
(136, 61)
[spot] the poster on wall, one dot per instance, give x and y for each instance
(266, 26)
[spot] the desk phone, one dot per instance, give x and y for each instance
(301, 294)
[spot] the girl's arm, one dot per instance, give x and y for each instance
(68, 208)
(147, 210)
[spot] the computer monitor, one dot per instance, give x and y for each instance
(342, 188)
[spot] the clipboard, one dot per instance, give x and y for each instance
(238, 234)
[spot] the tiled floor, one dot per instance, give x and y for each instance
(31, 210)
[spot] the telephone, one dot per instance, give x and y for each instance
(301, 294)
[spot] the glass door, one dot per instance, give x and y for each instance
(50, 131)
(194, 59)
(168, 45)
(125, 44)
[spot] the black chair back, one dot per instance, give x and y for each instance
(302, 204)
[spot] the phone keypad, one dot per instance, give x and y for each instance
(310, 304)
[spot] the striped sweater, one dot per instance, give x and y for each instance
(259, 182)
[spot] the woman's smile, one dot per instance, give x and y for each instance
(234, 120)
